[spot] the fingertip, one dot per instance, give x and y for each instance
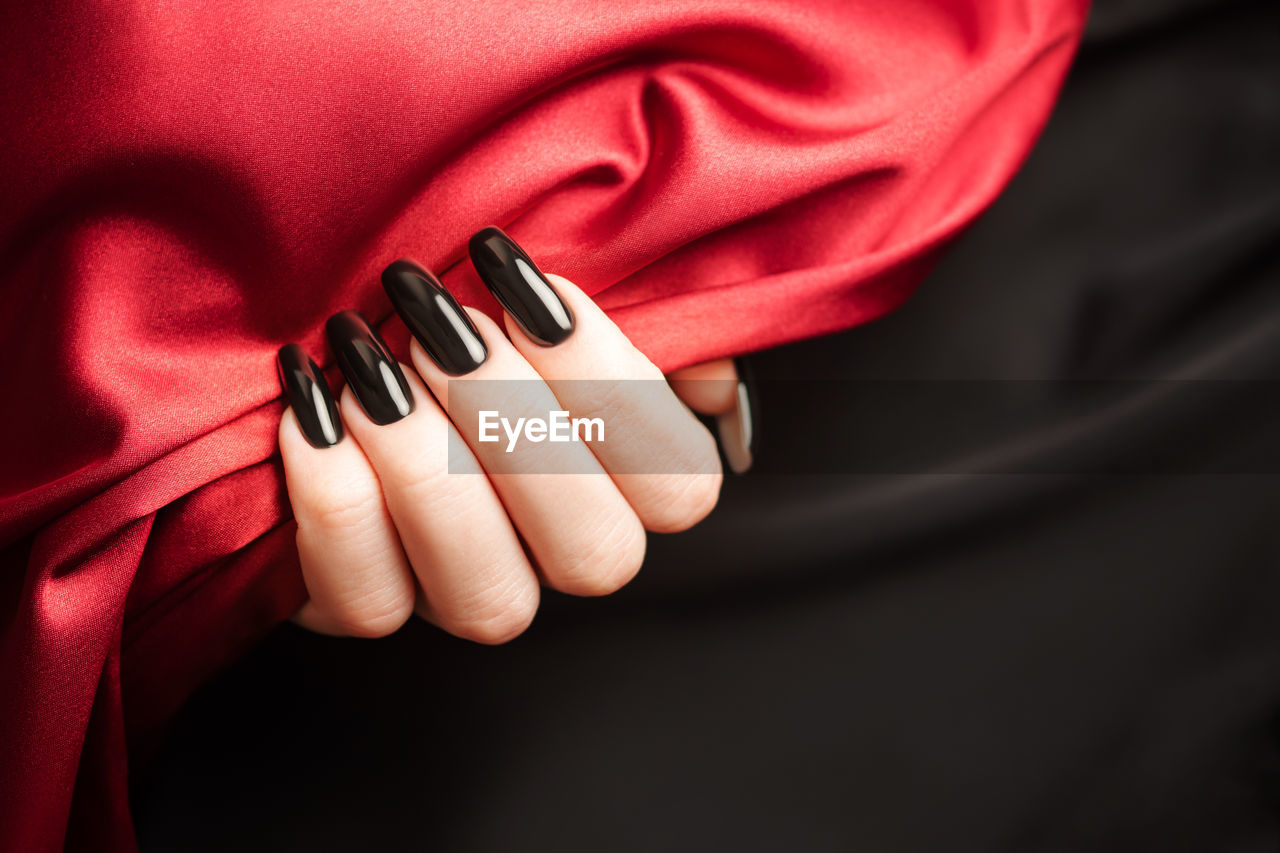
(349, 407)
(288, 425)
(582, 306)
(485, 324)
(564, 286)
(293, 444)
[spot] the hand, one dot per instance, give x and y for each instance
(406, 510)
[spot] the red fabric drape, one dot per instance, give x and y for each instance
(188, 186)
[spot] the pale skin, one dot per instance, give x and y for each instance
(386, 529)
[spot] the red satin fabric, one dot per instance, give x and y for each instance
(188, 186)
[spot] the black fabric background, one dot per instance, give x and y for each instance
(1010, 662)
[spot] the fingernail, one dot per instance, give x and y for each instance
(738, 428)
(434, 317)
(516, 282)
(309, 396)
(374, 376)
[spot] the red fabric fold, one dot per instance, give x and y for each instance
(189, 187)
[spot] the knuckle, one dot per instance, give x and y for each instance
(417, 475)
(495, 614)
(376, 612)
(502, 626)
(340, 506)
(611, 396)
(604, 563)
(428, 490)
(690, 501)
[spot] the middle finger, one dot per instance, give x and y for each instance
(582, 532)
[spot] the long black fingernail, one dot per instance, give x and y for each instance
(371, 372)
(309, 396)
(516, 282)
(435, 318)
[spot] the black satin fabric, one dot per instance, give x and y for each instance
(919, 662)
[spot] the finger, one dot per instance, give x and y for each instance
(583, 535)
(355, 572)
(476, 581)
(716, 388)
(709, 388)
(662, 459)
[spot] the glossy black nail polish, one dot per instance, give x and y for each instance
(374, 376)
(309, 396)
(516, 282)
(434, 317)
